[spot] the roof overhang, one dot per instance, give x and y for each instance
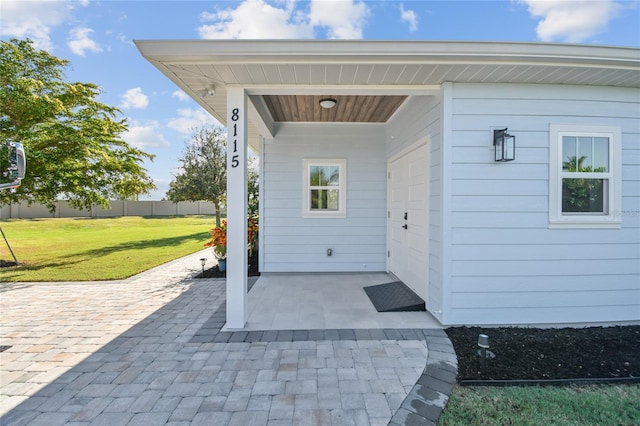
(364, 67)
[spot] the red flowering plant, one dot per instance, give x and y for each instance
(219, 238)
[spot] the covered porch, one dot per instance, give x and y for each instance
(324, 301)
(405, 130)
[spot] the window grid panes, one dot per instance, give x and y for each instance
(324, 188)
(585, 175)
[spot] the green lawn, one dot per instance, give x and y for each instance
(584, 406)
(83, 249)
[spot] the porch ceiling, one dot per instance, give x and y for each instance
(348, 109)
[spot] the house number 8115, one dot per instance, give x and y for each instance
(235, 115)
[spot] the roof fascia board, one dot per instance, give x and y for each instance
(369, 51)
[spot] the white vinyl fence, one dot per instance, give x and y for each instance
(118, 208)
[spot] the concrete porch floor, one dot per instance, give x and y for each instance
(298, 301)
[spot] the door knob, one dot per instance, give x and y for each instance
(405, 226)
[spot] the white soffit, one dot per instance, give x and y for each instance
(394, 67)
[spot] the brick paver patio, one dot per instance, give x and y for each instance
(143, 351)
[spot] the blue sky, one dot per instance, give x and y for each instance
(96, 36)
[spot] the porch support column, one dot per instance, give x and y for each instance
(236, 208)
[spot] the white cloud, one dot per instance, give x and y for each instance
(190, 119)
(344, 19)
(182, 97)
(255, 19)
(134, 98)
(572, 21)
(34, 19)
(258, 19)
(80, 41)
(410, 17)
(144, 137)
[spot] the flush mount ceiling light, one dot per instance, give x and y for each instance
(327, 103)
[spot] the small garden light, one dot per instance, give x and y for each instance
(203, 260)
(483, 343)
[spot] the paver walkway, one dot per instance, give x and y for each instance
(146, 351)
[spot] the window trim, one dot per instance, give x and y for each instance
(613, 218)
(342, 188)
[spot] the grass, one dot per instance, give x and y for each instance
(585, 405)
(83, 249)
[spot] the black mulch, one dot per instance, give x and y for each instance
(214, 272)
(538, 354)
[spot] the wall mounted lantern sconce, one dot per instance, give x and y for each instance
(505, 145)
(328, 103)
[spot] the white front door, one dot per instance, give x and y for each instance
(408, 220)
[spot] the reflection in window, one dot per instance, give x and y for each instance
(324, 194)
(585, 154)
(585, 165)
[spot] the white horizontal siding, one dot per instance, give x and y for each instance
(568, 314)
(533, 252)
(544, 299)
(555, 267)
(517, 236)
(291, 243)
(507, 266)
(533, 283)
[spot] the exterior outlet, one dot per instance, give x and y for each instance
(329, 252)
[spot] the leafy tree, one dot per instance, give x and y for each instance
(72, 142)
(203, 171)
(253, 189)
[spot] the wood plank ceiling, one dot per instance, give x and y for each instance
(348, 109)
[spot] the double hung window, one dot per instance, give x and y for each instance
(584, 184)
(324, 188)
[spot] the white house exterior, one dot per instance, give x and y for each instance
(415, 190)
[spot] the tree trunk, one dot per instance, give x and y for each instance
(217, 206)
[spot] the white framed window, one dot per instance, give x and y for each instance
(584, 176)
(325, 188)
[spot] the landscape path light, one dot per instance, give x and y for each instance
(483, 352)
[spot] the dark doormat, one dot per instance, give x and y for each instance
(394, 297)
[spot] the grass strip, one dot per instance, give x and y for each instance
(588, 405)
(95, 249)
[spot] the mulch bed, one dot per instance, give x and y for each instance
(540, 354)
(214, 272)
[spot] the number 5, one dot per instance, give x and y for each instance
(235, 162)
